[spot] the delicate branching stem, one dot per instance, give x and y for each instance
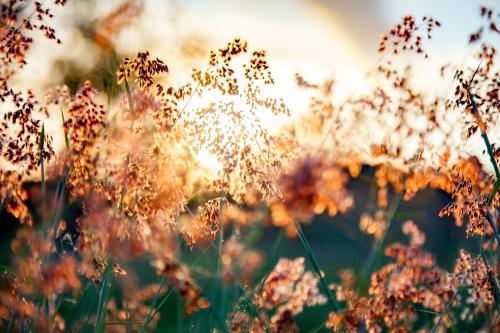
(347, 100)
(442, 314)
(190, 98)
(312, 259)
(255, 310)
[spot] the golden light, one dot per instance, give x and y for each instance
(208, 162)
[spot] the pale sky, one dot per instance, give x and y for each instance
(318, 38)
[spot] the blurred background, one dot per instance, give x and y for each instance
(318, 38)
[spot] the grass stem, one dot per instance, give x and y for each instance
(442, 314)
(42, 171)
(312, 259)
(103, 297)
(377, 246)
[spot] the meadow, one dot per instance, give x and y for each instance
(135, 201)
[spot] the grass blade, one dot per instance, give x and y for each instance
(377, 246)
(129, 96)
(103, 298)
(312, 259)
(153, 304)
(66, 139)
(217, 273)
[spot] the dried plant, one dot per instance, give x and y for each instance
(129, 201)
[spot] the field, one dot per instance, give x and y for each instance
(249, 166)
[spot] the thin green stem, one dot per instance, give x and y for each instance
(247, 297)
(494, 191)
(124, 323)
(277, 246)
(153, 304)
(442, 314)
(391, 212)
(255, 309)
(66, 138)
(489, 149)
(312, 259)
(217, 273)
(157, 308)
(489, 273)
(103, 298)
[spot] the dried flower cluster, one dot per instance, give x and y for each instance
(490, 16)
(471, 189)
(288, 289)
(144, 68)
(413, 280)
(404, 36)
(313, 187)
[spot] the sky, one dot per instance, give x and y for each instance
(317, 38)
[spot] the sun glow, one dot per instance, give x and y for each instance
(209, 162)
